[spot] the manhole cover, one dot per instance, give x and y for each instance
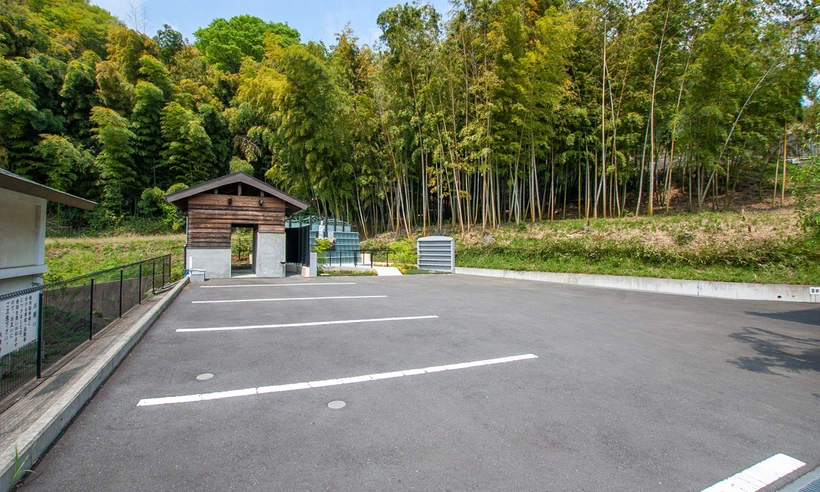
(204, 376)
(336, 405)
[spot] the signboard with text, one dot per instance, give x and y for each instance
(18, 322)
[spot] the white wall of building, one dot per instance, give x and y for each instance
(22, 240)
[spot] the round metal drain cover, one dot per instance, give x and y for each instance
(204, 376)
(336, 405)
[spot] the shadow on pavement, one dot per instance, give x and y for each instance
(777, 351)
(805, 316)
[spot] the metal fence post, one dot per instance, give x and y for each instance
(121, 275)
(91, 312)
(40, 337)
(139, 292)
(45, 348)
(154, 277)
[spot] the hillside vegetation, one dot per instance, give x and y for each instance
(746, 246)
(73, 257)
(497, 111)
(760, 247)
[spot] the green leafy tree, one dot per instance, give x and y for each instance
(153, 204)
(169, 43)
(64, 162)
(724, 77)
(20, 119)
(76, 25)
(216, 126)
(20, 34)
(807, 192)
(410, 32)
(79, 95)
(153, 71)
(145, 122)
(188, 155)
(114, 90)
(126, 47)
(116, 160)
(354, 65)
(47, 75)
(310, 106)
(225, 42)
(238, 164)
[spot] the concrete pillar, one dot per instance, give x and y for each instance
(215, 261)
(314, 264)
(269, 254)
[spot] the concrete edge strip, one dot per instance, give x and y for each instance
(219, 395)
(38, 437)
(803, 481)
(692, 288)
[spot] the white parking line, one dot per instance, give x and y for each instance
(148, 402)
(287, 299)
(758, 476)
(306, 284)
(299, 325)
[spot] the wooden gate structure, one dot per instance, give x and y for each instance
(214, 208)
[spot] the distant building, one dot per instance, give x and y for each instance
(23, 229)
(219, 206)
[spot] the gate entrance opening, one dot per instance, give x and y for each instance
(243, 250)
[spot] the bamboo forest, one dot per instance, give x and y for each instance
(495, 111)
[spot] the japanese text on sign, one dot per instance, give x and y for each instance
(18, 322)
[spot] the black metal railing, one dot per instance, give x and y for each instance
(364, 257)
(74, 310)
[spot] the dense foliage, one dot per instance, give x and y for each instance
(500, 110)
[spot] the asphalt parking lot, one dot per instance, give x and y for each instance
(450, 383)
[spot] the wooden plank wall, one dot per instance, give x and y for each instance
(210, 217)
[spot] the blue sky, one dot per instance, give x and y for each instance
(316, 20)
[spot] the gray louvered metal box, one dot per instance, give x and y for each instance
(437, 253)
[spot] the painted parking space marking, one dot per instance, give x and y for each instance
(327, 298)
(306, 284)
(220, 395)
(758, 476)
(300, 325)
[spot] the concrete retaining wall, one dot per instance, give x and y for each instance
(697, 288)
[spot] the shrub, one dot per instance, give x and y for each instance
(241, 245)
(807, 192)
(404, 251)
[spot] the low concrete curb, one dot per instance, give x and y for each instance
(695, 288)
(803, 483)
(35, 440)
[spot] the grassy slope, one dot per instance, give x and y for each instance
(761, 247)
(68, 258)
